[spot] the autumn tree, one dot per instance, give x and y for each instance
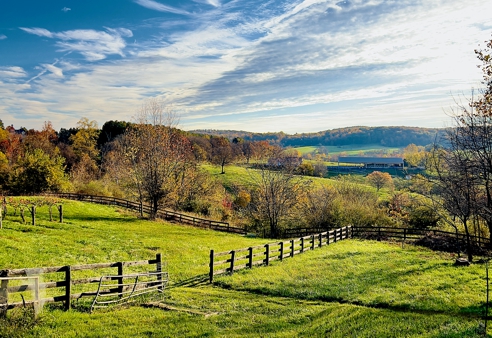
(274, 196)
(155, 153)
(414, 155)
(222, 152)
(379, 179)
(37, 172)
(84, 145)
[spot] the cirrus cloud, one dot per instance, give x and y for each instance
(93, 45)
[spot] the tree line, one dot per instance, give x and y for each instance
(385, 136)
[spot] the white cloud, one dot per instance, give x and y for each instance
(214, 3)
(93, 45)
(12, 72)
(157, 6)
(66, 9)
(3, 37)
(38, 31)
(54, 70)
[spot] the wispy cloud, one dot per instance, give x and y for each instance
(12, 72)
(311, 64)
(3, 37)
(214, 3)
(66, 9)
(93, 45)
(157, 6)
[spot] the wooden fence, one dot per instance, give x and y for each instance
(164, 214)
(401, 234)
(230, 261)
(65, 285)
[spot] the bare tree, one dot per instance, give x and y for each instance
(156, 153)
(274, 196)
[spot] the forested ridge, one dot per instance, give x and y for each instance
(387, 136)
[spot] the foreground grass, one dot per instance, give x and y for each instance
(372, 274)
(226, 313)
(348, 289)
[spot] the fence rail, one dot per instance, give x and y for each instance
(66, 285)
(403, 234)
(230, 261)
(164, 214)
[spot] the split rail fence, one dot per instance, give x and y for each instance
(164, 214)
(64, 282)
(230, 261)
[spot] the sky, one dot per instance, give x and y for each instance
(254, 65)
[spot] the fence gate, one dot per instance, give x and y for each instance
(121, 289)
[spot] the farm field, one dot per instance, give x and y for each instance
(349, 289)
(352, 150)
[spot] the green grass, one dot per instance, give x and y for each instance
(93, 233)
(348, 289)
(352, 150)
(372, 274)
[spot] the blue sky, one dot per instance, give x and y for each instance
(268, 65)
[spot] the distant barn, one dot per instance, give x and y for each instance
(372, 162)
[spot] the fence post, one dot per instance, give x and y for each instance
(346, 232)
(250, 257)
(233, 258)
(312, 242)
(211, 274)
(158, 269)
(328, 237)
(267, 254)
(4, 293)
(320, 240)
(60, 211)
(281, 251)
(404, 234)
(292, 247)
(68, 287)
(119, 266)
(302, 244)
(33, 214)
(379, 234)
(335, 232)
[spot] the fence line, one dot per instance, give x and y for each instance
(164, 214)
(67, 282)
(404, 234)
(234, 260)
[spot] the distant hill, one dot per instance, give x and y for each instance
(387, 136)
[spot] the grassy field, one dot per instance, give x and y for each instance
(348, 289)
(352, 150)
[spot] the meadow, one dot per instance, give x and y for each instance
(349, 289)
(352, 150)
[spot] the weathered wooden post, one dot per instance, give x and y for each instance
(60, 211)
(68, 287)
(4, 293)
(281, 251)
(33, 215)
(312, 242)
(328, 237)
(211, 274)
(335, 233)
(320, 240)
(250, 257)
(158, 269)
(233, 258)
(267, 254)
(292, 247)
(302, 244)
